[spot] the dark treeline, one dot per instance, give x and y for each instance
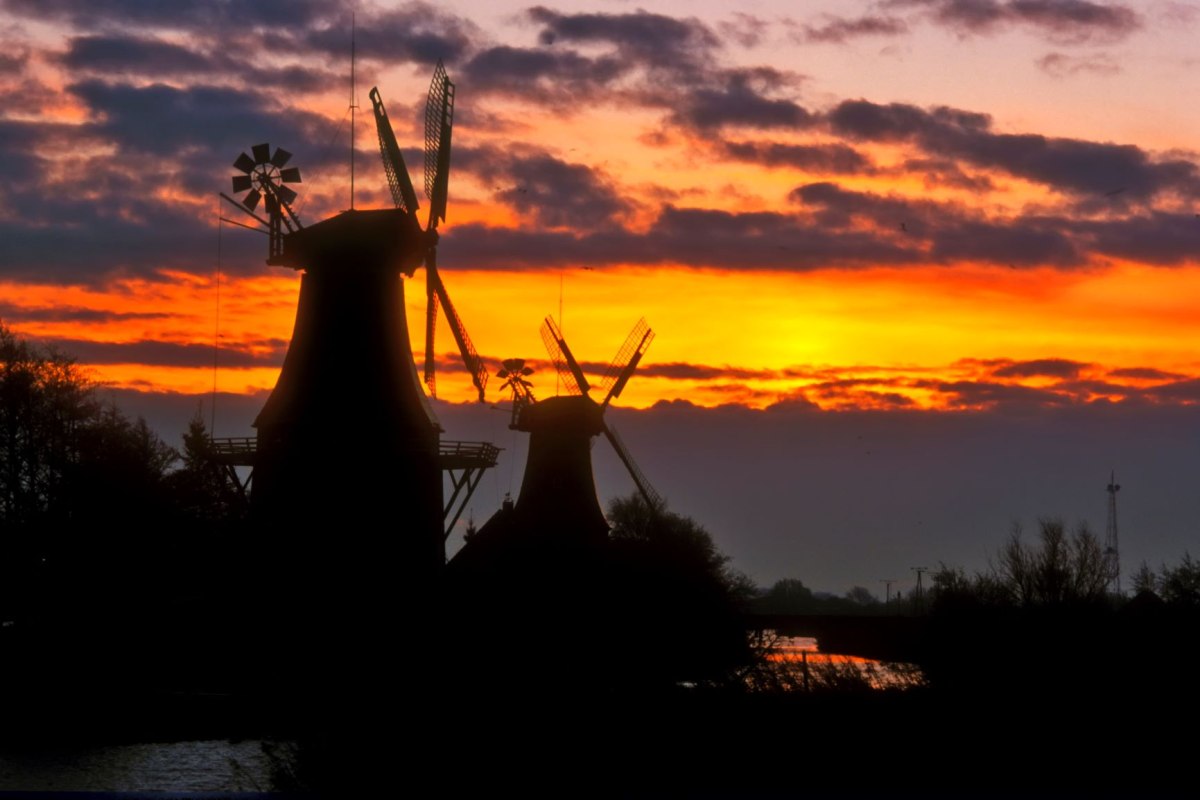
(1044, 627)
(113, 545)
(791, 596)
(1056, 569)
(95, 508)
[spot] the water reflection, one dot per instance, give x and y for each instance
(200, 766)
(796, 663)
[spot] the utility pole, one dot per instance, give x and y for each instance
(887, 591)
(920, 599)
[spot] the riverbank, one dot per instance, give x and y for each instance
(698, 741)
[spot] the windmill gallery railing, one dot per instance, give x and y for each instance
(235, 451)
(464, 461)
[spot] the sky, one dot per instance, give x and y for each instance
(918, 269)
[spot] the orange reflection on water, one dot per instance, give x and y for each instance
(805, 649)
(796, 664)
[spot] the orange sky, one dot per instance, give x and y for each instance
(747, 121)
(915, 323)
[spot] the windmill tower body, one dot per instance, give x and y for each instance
(348, 447)
(558, 490)
(347, 467)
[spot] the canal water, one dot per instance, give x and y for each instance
(200, 766)
(252, 765)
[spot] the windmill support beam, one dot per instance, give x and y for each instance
(468, 479)
(465, 462)
(242, 486)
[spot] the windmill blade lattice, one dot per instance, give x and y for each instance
(399, 183)
(431, 314)
(568, 368)
(639, 478)
(626, 361)
(439, 120)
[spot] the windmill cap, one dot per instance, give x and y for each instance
(375, 239)
(571, 414)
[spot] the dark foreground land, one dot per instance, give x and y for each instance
(1066, 706)
(694, 743)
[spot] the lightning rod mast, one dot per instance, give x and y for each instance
(353, 105)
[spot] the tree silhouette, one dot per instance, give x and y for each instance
(1063, 568)
(200, 488)
(1180, 584)
(1059, 569)
(676, 599)
(46, 403)
(82, 487)
(787, 596)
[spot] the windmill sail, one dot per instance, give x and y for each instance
(564, 360)
(403, 194)
(471, 359)
(626, 361)
(439, 120)
(653, 498)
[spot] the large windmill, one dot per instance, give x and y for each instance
(348, 462)
(439, 122)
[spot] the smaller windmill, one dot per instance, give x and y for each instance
(263, 179)
(612, 384)
(554, 540)
(439, 122)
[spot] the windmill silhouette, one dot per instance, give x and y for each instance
(619, 371)
(557, 513)
(347, 440)
(439, 123)
(542, 581)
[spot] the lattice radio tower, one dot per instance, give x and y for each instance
(1112, 553)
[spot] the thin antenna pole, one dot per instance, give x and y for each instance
(353, 106)
(212, 409)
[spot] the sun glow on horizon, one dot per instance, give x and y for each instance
(837, 338)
